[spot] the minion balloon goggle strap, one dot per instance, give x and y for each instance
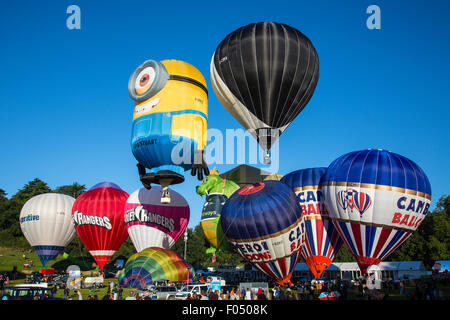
(151, 77)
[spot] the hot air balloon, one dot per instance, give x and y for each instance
(262, 221)
(151, 223)
(154, 264)
(264, 74)
(46, 223)
(376, 200)
(322, 239)
(217, 192)
(169, 122)
(99, 220)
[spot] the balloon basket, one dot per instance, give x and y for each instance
(165, 197)
(266, 159)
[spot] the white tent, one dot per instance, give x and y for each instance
(396, 270)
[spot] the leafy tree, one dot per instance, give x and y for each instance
(344, 255)
(73, 190)
(431, 241)
(3, 197)
(31, 189)
(10, 210)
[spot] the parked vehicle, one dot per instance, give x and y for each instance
(89, 281)
(57, 280)
(27, 292)
(166, 292)
(34, 277)
(191, 288)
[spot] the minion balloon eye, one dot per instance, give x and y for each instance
(168, 133)
(147, 80)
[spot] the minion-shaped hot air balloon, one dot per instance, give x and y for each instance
(169, 122)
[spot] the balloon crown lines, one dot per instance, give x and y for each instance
(235, 146)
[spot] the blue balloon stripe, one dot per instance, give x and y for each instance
(259, 218)
(310, 236)
(392, 242)
(273, 267)
(379, 167)
(347, 236)
(304, 177)
(293, 261)
(47, 253)
(370, 232)
(328, 232)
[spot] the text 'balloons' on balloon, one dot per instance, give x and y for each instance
(376, 199)
(151, 223)
(154, 264)
(264, 74)
(322, 238)
(46, 223)
(98, 216)
(262, 222)
(169, 121)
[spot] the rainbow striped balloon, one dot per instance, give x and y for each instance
(154, 264)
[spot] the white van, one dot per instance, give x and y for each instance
(89, 281)
(191, 288)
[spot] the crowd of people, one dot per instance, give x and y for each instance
(234, 294)
(423, 289)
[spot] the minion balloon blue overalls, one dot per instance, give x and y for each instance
(169, 122)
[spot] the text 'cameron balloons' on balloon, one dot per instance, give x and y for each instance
(262, 222)
(46, 223)
(98, 218)
(154, 264)
(217, 191)
(151, 223)
(169, 121)
(264, 74)
(376, 199)
(322, 238)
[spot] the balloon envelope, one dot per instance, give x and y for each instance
(262, 222)
(376, 199)
(170, 114)
(322, 239)
(46, 223)
(154, 264)
(99, 220)
(217, 191)
(151, 223)
(264, 74)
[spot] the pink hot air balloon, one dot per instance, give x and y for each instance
(151, 223)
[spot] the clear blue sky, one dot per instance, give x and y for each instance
(65, 113)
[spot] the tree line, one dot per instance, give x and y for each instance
(430, 242)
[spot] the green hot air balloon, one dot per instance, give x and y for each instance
(217, 192)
